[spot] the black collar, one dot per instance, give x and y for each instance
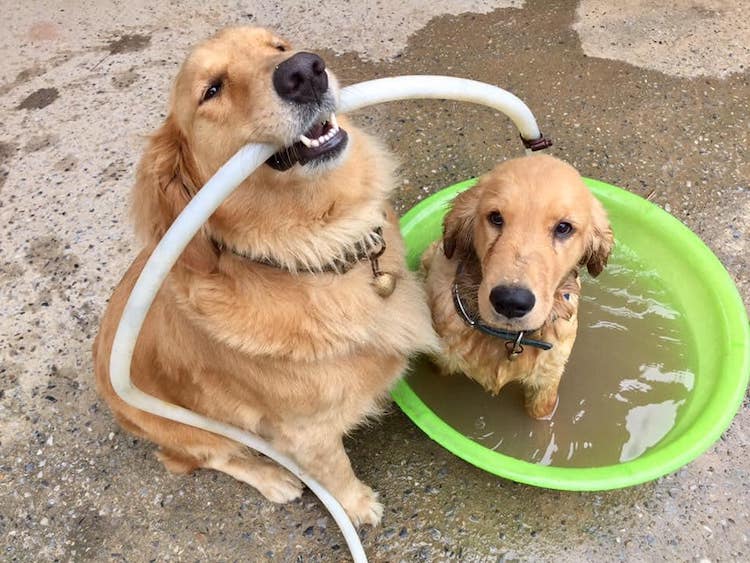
(514, 340)
(369, 247)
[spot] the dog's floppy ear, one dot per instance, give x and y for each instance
(458, 226)
(166, 181)
(600, 240)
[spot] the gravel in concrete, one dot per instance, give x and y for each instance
(83, 83)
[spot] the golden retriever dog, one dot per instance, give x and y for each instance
(504, 287)
(291, 313)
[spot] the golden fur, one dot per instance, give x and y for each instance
(533, 195)
(299, 358)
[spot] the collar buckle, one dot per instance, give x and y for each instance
(514, 347)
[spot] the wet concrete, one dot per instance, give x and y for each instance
(75, 487)
(682, 38)
(39, 99)
(128, 44)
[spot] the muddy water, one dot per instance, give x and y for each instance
(630, 373)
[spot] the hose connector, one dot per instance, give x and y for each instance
(538, 144)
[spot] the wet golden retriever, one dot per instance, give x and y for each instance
(505, 284)
(291, 313)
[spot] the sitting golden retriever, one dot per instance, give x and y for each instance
(504, 290)
(291, 313)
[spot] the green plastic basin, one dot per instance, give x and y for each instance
(712, 308)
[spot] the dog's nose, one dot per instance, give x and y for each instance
(301, 78)
(512, 301)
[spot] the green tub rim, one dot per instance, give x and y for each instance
(715, 415)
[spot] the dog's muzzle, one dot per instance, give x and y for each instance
(302, 80)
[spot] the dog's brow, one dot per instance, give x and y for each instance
(219, 76)
(280, 43)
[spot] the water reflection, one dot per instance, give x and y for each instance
(647, 425)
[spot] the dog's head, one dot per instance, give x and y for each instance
(244, 85)
(530, 222)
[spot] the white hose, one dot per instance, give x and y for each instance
(208, 199)
(358, 96)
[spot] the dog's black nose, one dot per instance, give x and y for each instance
(512, 301)
(301, 78)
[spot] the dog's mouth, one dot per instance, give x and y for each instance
(501, 322)
(513, 326)
(323, 141)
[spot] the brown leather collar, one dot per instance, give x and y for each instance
(363, 250)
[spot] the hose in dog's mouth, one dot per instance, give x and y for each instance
(323, 141)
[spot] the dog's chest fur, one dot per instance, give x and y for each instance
(485, 358)
(306, 343)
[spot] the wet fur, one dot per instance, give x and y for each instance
(300, 359)
(533, 193)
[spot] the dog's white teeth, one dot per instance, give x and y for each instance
(332, 133)
(333, 130)
(327, 137)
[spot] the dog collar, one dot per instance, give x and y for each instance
(514, 341)
(370, 247)
(373, 245)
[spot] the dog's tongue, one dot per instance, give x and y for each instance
(315, 131)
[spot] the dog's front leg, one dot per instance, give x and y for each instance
(322, 455)
(540, 389)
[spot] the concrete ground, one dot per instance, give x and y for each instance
(652, 96)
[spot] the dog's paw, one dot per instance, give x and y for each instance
(175, 463)
(278, 485)
(363, 507)
(543, 407)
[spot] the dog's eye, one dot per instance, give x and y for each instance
(563, 229)
(496, 219)
(280, 48)
(211, 92)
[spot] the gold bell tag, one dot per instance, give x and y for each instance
(384, 283)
